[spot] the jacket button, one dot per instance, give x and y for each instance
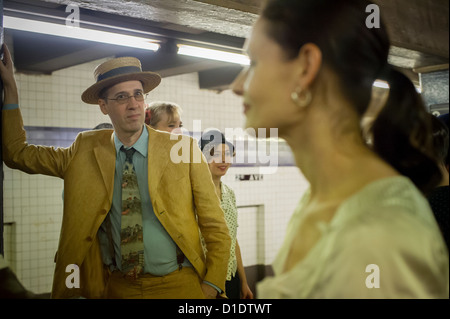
(89, 238)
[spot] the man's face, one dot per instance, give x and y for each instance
(127, 115)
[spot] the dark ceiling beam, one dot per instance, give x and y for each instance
(411, 59)
(54, 53)
(51, 53)
(218, 79)
(170, 64)
(187, 68)
(187, 13)
(251, 6)
(418, 29)
(418, 25)
(38, 53)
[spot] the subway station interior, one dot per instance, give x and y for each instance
(198, 49)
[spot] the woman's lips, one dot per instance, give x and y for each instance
(246, 108)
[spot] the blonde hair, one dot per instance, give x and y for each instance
(155, 109)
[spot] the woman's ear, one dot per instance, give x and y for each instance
(309, 62)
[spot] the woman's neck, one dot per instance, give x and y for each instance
(444, 171)
(336, 165)
(216, 180)
(217, 184)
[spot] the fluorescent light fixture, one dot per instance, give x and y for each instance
(78, 33)
(213, 54)
(381, 84)
(385, 85)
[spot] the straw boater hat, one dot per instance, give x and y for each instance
(116, 71)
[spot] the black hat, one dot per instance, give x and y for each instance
(213, 138)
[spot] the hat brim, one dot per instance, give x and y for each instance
(149, 80)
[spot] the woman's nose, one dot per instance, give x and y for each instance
(238, 84)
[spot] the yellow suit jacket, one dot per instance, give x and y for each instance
(182, 195)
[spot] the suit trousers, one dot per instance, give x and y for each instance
(182, 283)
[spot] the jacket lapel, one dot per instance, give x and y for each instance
(107, 167)
(158, 151)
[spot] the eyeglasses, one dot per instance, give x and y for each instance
(124, 98)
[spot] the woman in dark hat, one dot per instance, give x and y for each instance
(219, 153)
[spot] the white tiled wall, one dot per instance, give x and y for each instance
(34, 204)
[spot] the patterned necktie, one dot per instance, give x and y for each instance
(131, 234)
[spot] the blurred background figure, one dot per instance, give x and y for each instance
(219, 153)
(11, 287)
(439, 197)
(164, 116)
(102, 126)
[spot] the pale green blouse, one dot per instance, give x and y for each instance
(383, 242)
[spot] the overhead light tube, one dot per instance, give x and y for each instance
(381, 84)
(385, 85)
(79, 33)
(213, 54)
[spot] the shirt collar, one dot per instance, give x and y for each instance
(141, 144)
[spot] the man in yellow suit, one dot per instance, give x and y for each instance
(172, 200)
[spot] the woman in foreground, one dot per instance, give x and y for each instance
(364, 228)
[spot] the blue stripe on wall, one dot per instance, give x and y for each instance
(65, 136)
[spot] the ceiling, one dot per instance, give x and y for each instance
(418, 31)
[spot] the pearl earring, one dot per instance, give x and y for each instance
(301, 97)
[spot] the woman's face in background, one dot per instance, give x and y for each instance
(171, 124)
(220, 161)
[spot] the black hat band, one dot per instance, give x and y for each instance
(118, 71)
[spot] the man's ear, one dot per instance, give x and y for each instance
(309, 62)
(103, 107)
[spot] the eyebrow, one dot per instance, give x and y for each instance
(125, 92)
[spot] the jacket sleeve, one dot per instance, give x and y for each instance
(31, 159)
(210, 220)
